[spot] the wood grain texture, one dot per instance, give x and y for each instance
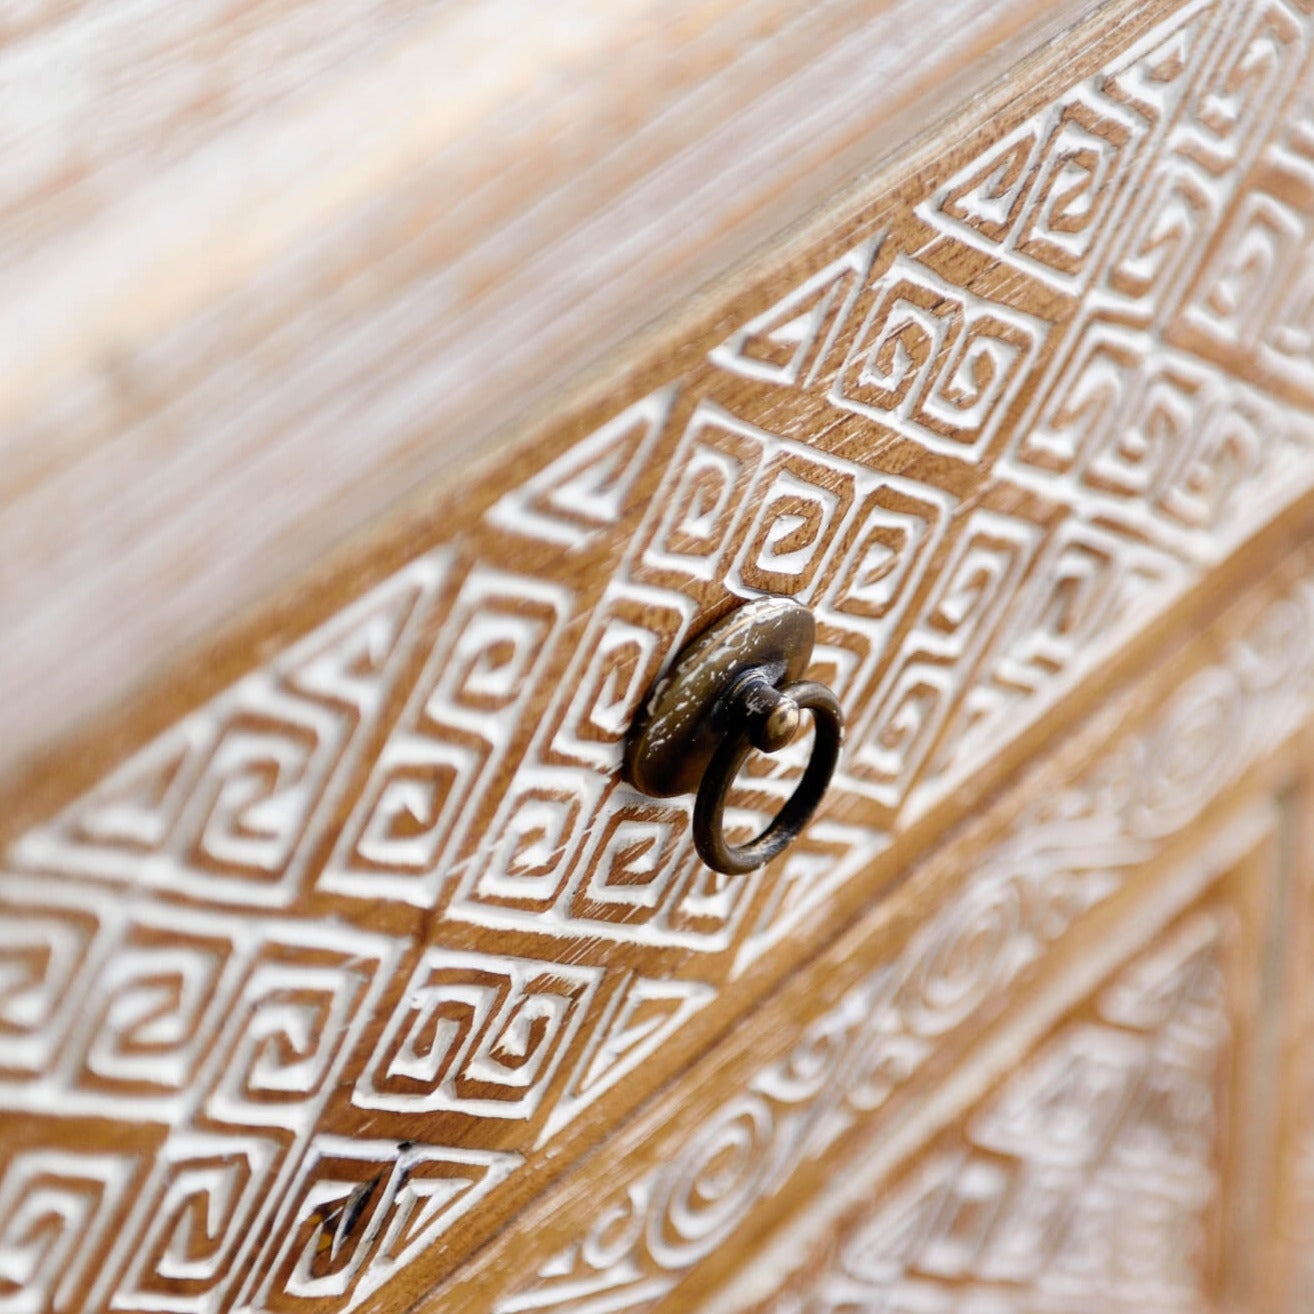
(329, 969)
(1285, 1201)
(265, 267)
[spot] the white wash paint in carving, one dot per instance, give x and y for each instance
(462, 714)
(227, 1177)
(937, 363)
(788, 343)
(229, 804)
(57, 1209)
(501, 1003)
(411, 1195)
(163, 959)
(583, 492)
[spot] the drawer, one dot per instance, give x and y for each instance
(1048, 1071)
(344, 966)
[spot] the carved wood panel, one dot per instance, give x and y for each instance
(341, 969)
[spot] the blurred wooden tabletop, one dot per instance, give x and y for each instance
(269, 269)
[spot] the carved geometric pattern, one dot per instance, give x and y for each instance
(362, 1209)
(230, 803)
(936, 363)
(1090, 1181)
(479, 1034)
(58, 1210)
(1067, 854)
(1012, 411)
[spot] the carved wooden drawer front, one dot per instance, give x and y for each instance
(356, 977)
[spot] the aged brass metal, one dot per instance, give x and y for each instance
(733, 689)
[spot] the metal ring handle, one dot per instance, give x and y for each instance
(737, 686)
(752, 706)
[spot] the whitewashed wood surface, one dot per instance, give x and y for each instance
(267, 269)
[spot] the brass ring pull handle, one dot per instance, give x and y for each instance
(755, 708)
(735, 688)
